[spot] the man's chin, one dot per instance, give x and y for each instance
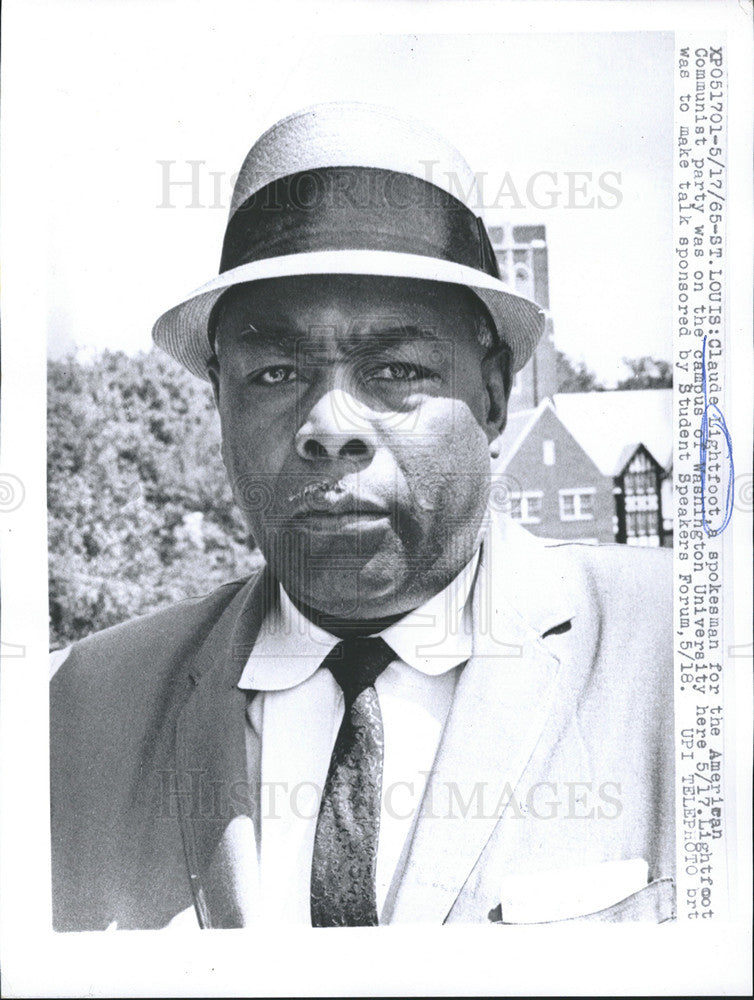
(354, 574)
(352, 589)
(327, 546)
(353, 607)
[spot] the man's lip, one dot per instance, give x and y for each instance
(343, 522)
(339, 507)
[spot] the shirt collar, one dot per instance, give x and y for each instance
(433, 638)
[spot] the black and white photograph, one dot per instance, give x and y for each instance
(377, 470)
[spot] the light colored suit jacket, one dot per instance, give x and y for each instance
(552, 794)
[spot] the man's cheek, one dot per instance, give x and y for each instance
(452, 420)
(454, 480)
(253, 484)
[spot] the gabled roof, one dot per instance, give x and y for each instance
(627, 452)
(517, 429)
(609, 425)
(627, 456)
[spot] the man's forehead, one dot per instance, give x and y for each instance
(345, 304)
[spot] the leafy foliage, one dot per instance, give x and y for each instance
(647, 373)
(140, 513)
(574, 376)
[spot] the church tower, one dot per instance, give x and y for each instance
(521, 253)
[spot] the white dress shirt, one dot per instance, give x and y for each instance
(293, 723)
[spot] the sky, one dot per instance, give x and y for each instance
(118, 90)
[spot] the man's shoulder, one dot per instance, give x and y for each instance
(610, 556)
(624, 573)
(609, 568)
(173, 631)
(619, 601)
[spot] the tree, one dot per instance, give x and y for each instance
(647, 373)
(139, 511)
(574, 376)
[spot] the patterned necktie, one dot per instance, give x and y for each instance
(344, 862)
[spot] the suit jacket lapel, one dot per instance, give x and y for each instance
(501, 704)
(218, 800)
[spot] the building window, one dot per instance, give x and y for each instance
(577, 505)
(548, 452)
(642, 502)
(527, 507)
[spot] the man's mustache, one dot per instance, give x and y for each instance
(325, 493)
(334, 496)
(311, 490)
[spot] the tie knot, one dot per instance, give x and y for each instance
(357, 663)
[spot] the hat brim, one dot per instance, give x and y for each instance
(183, 330)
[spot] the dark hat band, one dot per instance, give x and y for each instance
(356, 208)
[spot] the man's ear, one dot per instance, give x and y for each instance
(495, 372)
(213, 373)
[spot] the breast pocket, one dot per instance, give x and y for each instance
(607, 892)
(654, 904)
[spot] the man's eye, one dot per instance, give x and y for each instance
(275, 375)
(398, 371)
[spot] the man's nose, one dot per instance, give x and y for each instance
(337, 426)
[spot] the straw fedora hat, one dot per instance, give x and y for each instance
(347, 188)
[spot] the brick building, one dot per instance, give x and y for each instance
(554, 487)
(579, 466)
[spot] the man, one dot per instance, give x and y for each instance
(416, 711)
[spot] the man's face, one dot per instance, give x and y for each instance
(356, 418)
